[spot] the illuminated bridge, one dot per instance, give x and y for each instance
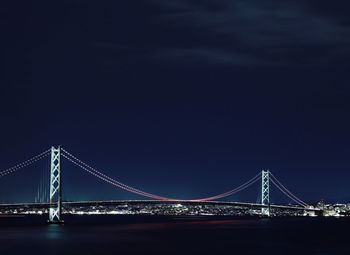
(56, 206)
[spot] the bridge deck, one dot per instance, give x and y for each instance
(118, 202)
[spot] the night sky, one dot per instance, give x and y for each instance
(178, 97)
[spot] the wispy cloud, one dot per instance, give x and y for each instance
(258, 32)
(240, 33)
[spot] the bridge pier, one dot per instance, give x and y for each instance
(265, 192)
(55, 187)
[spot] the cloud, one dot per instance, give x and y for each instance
(254, 32)
(238, 33)
(204, 56)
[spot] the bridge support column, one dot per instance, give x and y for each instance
(55, 187)
(265, 192)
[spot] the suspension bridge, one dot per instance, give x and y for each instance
(56, 202)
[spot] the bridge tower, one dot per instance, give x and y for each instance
(265, 192)
(55, 187)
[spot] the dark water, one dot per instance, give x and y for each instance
(143, 235)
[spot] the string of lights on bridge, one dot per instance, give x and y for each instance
(100, 175)
(55, 202)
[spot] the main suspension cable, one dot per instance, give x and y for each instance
(24, 164)
(285, 191)
(113, 182)
(98, 174)
(234, 191)
(123, 186)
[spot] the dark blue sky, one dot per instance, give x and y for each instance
(182, 98)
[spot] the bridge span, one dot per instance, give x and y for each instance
(56, 204)
(85, 205)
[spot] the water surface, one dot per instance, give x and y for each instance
(161, 235)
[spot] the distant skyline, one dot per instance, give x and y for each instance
(181, 98)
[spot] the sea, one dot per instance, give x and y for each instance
(128, 234)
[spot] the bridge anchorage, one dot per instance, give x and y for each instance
(55, 208)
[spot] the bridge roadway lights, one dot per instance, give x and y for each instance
(55, 187)
(265, 192)
(61, 222)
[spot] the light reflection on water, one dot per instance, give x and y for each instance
(54, 232)
(292, 236)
